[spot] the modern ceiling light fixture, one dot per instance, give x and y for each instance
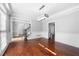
(41, 7)
(44, 15)
(43, 18)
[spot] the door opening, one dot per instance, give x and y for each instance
(51, 31)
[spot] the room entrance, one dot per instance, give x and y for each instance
(51, 31)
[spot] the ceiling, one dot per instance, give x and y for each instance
(29, 10)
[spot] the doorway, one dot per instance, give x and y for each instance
(51, 31)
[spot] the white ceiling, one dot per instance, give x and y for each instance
(27, 10)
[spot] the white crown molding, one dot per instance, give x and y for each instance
(5, 6)
(65, 12)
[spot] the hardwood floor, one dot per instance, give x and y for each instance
(32, 48)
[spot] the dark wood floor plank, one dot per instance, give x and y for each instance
(31, 48)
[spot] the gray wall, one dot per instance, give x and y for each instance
(18, 27)
(36, 26)
(66, 28)
(68, 24)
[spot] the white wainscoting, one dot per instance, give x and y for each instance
(68, 38)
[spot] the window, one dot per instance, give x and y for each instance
(3, 37)
(0, 32)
